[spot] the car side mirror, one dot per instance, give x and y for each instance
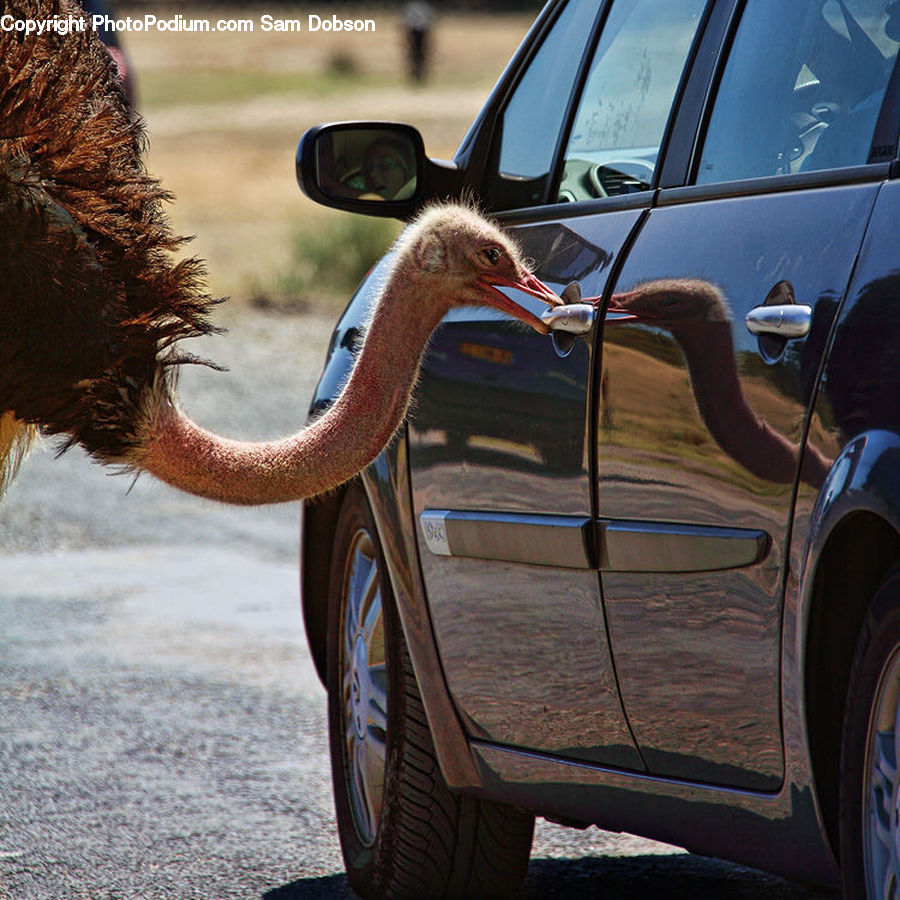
(375, 168)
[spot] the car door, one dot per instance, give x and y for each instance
(499, 449)
(702, 416)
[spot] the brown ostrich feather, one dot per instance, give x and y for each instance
(92, 300)
(93, 303)
(15, 440)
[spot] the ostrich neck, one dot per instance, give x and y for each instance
(709, 351)
(325, 454)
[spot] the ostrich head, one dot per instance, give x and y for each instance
(459, 258)
(670, 302)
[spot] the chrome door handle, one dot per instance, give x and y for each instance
(787, 320)
(569, 321)
(573, 318)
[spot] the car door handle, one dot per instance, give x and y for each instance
(787, 320)
(567, 323)
(573, 318)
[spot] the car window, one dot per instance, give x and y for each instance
(533, 118)
(802, 88)
(622, 114)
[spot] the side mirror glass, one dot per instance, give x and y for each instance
(367, 167)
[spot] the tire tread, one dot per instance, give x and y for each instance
(448, 845)
(431, 842)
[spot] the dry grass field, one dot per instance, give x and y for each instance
(224, 113)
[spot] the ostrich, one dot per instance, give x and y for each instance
(697, 315)
(93, 307)
(450, 256)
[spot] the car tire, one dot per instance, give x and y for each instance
(869, 795)
(403, 832)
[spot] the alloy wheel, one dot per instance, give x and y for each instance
(364, 686)
(881, 787)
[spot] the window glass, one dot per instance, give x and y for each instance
(802, 88)
(623, 111)
(534, 115)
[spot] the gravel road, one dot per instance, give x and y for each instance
(162, 730)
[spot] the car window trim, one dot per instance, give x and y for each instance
(556, 164)
(887, 125)
(554, 176)
(713, 11)
(696, 76)
(685, 80)
(492, 170)
(698, 89)
(775, 184)
(475, 152)
(552, 211)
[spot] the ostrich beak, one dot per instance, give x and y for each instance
(528, 284)
(618, 304)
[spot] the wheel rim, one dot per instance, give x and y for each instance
(881, 787)
(364, 687)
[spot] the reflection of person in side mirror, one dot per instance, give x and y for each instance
(383, 168)
(388, 170)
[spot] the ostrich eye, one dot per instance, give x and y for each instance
(492, 255)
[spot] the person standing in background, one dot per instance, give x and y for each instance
(418, 18)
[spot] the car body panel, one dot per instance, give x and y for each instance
(856, 408)
(524, 410)
(611, 621)
(386, 482)
(779, 832)
(701, 424)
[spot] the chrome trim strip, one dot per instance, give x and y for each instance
(631, 546)
(566, 541)
(532, 539)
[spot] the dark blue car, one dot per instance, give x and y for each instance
(644, 572)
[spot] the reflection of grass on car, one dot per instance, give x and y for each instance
(630, 431)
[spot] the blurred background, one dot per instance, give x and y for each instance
(224, 113)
